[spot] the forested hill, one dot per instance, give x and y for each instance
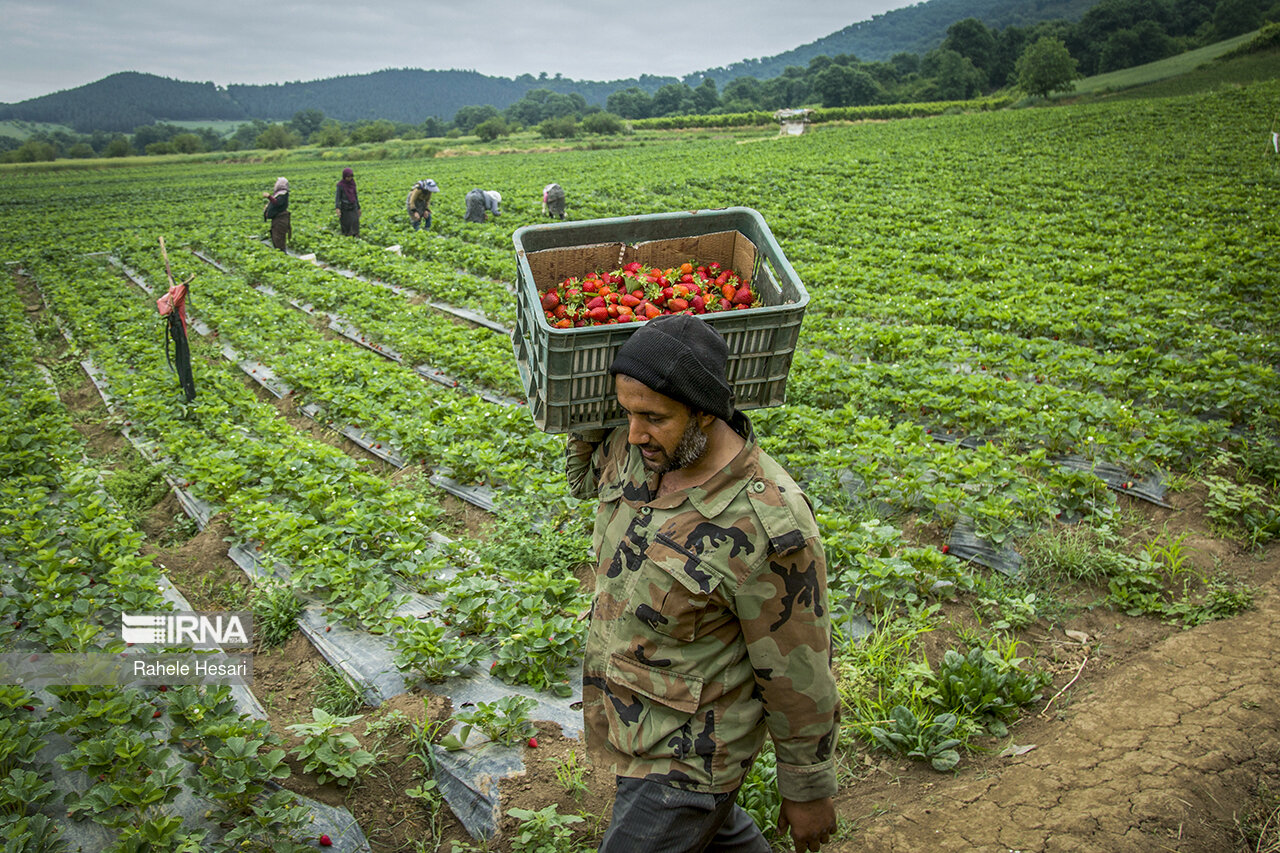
(126, 100)
(913, 29)
(123, 101)
(410, 95)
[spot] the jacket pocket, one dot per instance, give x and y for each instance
(679, 594)
(649, 707)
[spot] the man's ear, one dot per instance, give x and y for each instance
(704, 419)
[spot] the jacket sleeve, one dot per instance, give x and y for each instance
(786, 622)
(274, 208)
(583, 460)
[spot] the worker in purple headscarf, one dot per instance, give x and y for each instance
(347, 204)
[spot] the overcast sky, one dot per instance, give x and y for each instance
(48, 45)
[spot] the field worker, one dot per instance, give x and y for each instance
(346, 203)
(553, 201)
(710, 624)
(480, 202)
(419, 203)
(276, 212)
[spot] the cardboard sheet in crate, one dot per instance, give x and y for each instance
(730, 249)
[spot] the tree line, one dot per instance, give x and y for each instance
(973, 59)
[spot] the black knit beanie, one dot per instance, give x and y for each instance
(681, 357)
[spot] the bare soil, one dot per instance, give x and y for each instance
(1151, 737)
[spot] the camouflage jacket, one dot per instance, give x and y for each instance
(709, 624)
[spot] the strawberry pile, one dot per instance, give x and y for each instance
(636, 293)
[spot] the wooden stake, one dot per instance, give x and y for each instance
(165, 255)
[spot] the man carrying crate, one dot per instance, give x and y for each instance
(710, 623)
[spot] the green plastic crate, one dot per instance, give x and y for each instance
(566, 371)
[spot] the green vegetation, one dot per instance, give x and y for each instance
(1006, 292)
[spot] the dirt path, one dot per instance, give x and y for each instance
(1163, 753)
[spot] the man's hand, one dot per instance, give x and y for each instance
(811, 823)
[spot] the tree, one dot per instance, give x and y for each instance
(905, 63)
(329, 135)
(187, 143)
(276, 136)
(81, 151)
(306, 122)
(1143, 43)
(955, 78)
(32, 151)
(118, 147)
(467, 118)
(1046, 67)
(490, 129)
(432, 126)
(839, 86)
(631, 102)
(673, 99)
(743, 90)
(1233, 17)
(705, 97)
(558, 127)
(373, 131)
(971, 39)
(602, 123)
(245, 136)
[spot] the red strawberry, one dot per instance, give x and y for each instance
(533, 743)
(946, 549)
(326, 841)
(550, 300)
(743, 296)
(599, 314)
(677, 305)
(597, 302)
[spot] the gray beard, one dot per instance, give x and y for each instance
(689, 450)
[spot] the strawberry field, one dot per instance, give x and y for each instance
(1038, 342)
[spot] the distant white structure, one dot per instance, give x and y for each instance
(793, 122)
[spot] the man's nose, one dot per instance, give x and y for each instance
(636, 433)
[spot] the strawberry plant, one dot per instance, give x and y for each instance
(427, 649)
(505, 722)
(334, 756)
(544, 830)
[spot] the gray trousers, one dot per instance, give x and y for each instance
(649, 817)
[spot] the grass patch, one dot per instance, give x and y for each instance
(136, 487)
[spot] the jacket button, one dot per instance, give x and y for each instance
(757, 486)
